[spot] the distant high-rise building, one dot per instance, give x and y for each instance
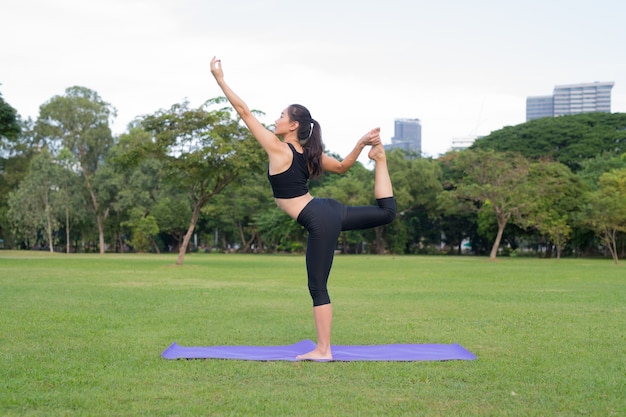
(539, 106)
(407, 135)
(582, 98)
(571, 99)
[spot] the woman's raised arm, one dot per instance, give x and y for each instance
(268, 140)
(330, 164)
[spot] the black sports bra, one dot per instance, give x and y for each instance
(292, 182)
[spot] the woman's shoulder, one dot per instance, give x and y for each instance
(295, 149)
(281, 157)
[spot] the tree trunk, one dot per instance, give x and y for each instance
(100, 223)
(344, 243)
(49, 229)
(187, 238)
(496, 244)
(155, 246)
(247, 247)
(380, 242)
(259, 241)
(610, 240)
(99, 218)
(67, 229)
(245, 244)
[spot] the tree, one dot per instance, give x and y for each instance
(14, 160)
(279, 231)
(416, 184)
(605, 211)
(79, 121)
(36, 202)
(71, 198)
(139, 188)
(497, 179)
(144, 228)
(557, 193)
(202, 151)
(594, 168)
(236, 212)
(570, 140)
(458, 217)
(9, 125)
(172, 212)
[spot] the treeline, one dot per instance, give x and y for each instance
(186, 179)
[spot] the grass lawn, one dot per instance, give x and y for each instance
(82, 335)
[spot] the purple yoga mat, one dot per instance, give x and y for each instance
(395, 352)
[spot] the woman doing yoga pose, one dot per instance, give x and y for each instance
(292, 161)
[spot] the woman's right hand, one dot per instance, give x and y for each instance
(216, 68)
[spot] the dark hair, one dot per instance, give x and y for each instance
(310, 137)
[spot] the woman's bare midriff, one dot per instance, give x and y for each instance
(293, 206)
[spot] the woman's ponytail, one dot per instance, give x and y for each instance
(310, 137)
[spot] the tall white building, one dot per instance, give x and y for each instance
(582, 98)
(571, 99)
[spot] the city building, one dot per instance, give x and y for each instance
(539, 106)
(582, 98)
(459, 144)
(407, 135)
(571, 99)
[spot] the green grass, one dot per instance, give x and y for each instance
(82, 335)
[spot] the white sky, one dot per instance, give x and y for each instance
(462, 67)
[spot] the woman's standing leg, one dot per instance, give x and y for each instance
(322, 219)
(323, 316)
(321, 245)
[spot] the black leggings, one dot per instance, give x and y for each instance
(324, 219)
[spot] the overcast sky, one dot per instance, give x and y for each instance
(464, 68)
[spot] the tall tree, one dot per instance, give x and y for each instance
(35, 204)
(570, 140)
(458, 217)
(203, 150)
(144, 186)
(605, 211)
(14, 161)
(557, 195)
(9, 125)
(499, 180)
(72, 202)
(79, 121)
(139, 189)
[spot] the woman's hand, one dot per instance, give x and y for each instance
(371, 138)
(216, 68)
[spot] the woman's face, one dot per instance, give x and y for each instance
(284, 125)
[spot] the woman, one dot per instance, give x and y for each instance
(292, 161)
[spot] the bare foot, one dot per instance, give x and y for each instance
(377, 152)
(316, 355)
